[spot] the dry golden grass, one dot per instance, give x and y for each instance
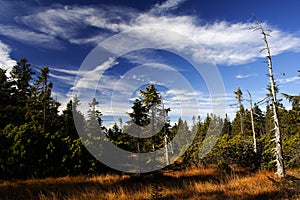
(193, 183)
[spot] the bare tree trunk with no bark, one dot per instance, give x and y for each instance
(278, 147)
(252, 124)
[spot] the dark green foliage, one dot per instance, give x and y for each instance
(294, 99)
(292, 150)
(27, 153)
(259, 121)
(233, 150)
(227, 127)
(148, 117)
(240, 113)
(205, 138)
(37, 141)
(233, 147)
(5, 100)
(15, 93)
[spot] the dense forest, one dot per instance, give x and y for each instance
(36, 140)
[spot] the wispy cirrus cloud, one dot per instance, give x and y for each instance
(242, 76)
(79, 20)
(29, 37)
(166, 6)
(66, 71)
(69, 80)
(226, 43)
(288, 80)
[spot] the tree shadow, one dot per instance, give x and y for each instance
(72, 186)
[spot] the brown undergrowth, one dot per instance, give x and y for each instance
(192, 183)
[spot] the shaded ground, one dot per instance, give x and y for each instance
(194, 183)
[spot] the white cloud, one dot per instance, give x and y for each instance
(6, 62)
(226, 43)
(87, 79)
(29, 37)
(242, 76)
(65, 71)
(166, 6)
(65, 79)
(61, 21)
(288, 80)
(68, 22)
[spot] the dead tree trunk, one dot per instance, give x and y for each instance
(252, 124)
(278, 147)
(166, 150)
(165, 136)
(152, 127)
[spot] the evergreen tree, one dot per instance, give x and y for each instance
(42, 108)
(149, 122)
(35, 140)
(157, 115)
(239, 98)
(27, 152)
(197, 129)
(205, 127)
(6, 114)
(227, 127)
(94, 122)
(139, 119)
(259, 120)
(151, 100)
(182, 133)
(294, 99)
(93, 134)
(75, 159)
(139, 114)
(21, 76)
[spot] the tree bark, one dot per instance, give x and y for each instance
(278, 147)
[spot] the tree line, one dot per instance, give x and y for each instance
(36, 140)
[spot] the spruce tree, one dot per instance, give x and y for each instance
(239, 98)
(21, 77)
(227, 127)
(6, 116)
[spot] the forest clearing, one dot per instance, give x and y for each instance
(157, 99)
(191, 183)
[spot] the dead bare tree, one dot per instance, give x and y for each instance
(252, 123)
(278, 148)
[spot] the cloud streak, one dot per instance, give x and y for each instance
(288, 80)
(243, 76)
(29, 37)
(166, 6)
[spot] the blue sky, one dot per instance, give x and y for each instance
(185, 46)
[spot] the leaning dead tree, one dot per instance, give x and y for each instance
(278, 147)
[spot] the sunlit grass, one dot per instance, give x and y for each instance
(192, 183)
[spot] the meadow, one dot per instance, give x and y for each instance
(190, 183)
